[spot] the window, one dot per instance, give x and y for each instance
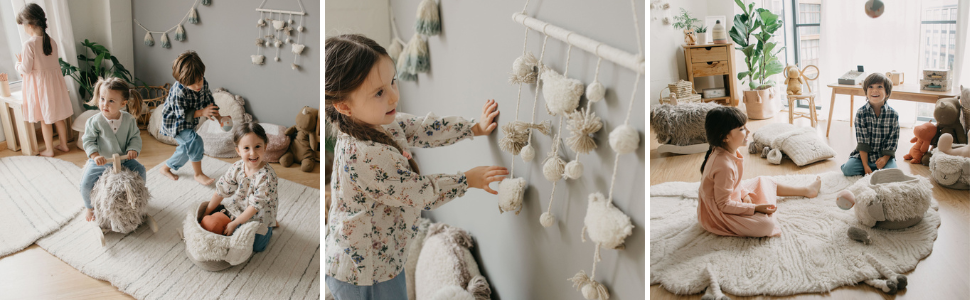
(938, 31)
(9, 41)
(808, 24)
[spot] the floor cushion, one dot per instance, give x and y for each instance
(802, 144)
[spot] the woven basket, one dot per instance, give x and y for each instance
(674, 98)
(682, 88)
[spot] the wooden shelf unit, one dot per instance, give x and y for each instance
(714, 60)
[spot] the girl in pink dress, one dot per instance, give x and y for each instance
(727, 205)
(45, 92)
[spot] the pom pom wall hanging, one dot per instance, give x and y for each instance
(427, 22)
(165, 42)
(192, 16)
(180, 33)
(277, 27)
(414, 57)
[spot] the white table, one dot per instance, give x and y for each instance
(20, 134)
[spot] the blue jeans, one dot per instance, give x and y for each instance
(189, 149)
(92, 171)
(853, 167)
(262, 240)
(394, 289)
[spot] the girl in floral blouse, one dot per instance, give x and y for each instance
(377, 191)
(249, 186)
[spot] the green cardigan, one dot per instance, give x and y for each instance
(98, 136)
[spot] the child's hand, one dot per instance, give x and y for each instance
(881, 162)
(89, 214)
(868, 170)
(765, 208)
(100, 160)
(18, 57)
(132, 154)
(487, 122)
(231, 227)
(211, 111)
(480, 177)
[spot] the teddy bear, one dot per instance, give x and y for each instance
(793, 78)
(305, 145)
(947, 114)
(924, 133)
(946, 145)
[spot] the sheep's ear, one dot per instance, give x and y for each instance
(876, 211)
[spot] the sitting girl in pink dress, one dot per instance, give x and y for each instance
(727, 205)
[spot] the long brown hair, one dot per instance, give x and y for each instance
(127, 92)
(33, 15)
(349, 59)
(718, 125)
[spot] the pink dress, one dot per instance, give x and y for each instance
(45, 92)
(720, 209)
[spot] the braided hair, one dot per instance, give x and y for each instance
(33, 15)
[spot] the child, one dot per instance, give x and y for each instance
(110, 132)
(876, 130)
(377, 191)
(45, 92)
(188, 100)
(728, 206)
(249, 186)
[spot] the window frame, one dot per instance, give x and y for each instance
(796, 35)
(920, 59)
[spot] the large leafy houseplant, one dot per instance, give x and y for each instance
(86, 78)
(761, 55)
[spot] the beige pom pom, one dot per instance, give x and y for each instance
(546, 219)
(595, 92)
(574, 170)
(624, 139)
(553, 168)
(528, 153)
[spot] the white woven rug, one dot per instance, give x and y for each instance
(37, 196)
(812, 255)
(150, 265)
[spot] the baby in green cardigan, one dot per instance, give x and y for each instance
(110, 132)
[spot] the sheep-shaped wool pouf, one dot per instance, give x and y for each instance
(608, 227)
(950, 171)
(119, 199)
(216, 252)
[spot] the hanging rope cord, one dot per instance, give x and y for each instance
(558, 139)
(636, 85)
(518, 102)
(176, 25)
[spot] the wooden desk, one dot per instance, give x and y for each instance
(20, 134)
(906, 92)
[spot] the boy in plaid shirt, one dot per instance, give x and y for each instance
(188, 100)
(876, 130)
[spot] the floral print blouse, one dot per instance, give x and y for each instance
(239, 192)
(377, 200)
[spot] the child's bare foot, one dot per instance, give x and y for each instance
(165, 170)
(204, 180)
(63, 148)
(814, 188)
(89, 215)
(47, 153)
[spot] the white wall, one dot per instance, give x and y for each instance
(368, 17)
(106, 22)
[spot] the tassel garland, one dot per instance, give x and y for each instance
(194, 16)
(428, 22)
(180, 33)
(149, 41)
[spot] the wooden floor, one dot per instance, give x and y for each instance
(944, 274)
(35, 274)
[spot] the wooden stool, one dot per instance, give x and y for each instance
(20, 134)
(812, 115)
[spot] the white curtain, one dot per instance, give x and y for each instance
(59, 29)
(961, 63)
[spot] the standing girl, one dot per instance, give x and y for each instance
(378, 193)
(45, 92)
(727, 205)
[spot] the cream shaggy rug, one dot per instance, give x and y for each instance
(37, 196)
(150, 265)
(812, 255)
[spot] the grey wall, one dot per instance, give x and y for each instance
(470, 62)
(225, 39)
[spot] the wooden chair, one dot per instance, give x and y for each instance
(155, 96)
(812, 115)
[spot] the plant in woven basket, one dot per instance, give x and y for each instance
(760, 56)
(87, 77)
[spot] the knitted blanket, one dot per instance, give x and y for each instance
(813, 253)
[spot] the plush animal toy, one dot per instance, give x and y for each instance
(305, 145)
(946, 145)
(924, 133)
(793, 78)
(947, 114)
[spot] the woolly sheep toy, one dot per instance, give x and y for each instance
(682, 124)
(446, 268)
(946, 145)
(215, 252)
(561, 93)
(887, 199)
(950, 171)
(119, 199)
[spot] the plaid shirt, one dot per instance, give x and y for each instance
(877, 136)
(180, 106)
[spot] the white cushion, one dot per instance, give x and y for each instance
(446, 261)
(217, 143)
(801, 144)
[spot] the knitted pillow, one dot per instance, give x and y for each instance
(446, 261)
(278, 142)
(682, 124)
(217, 143)
(801, 144)
(950, 171)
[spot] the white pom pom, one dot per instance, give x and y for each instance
(546, 219)
(510, 192)
(589, 292)
(553, 169)
(527, 153)
(595, 92)
(624, 139)
(520, 67)
(574, 169)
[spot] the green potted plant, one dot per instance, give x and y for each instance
(760, 56)
(86, 78)
(686, 22)
(701, 35)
